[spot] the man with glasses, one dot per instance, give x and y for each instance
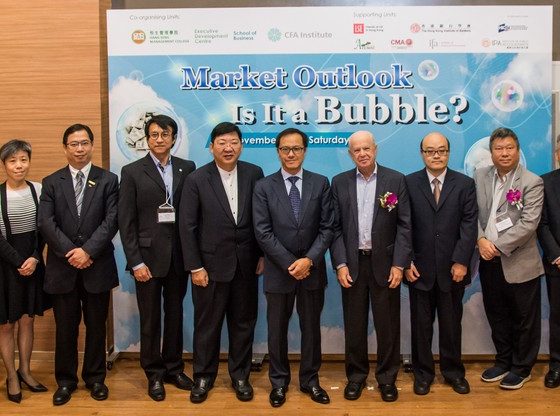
(510, 201)
(293, 220)
(78, 219)
(150, 198)
(371, 247)
(444, 230)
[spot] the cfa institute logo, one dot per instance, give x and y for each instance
(274, 34)
(359, 28)
(415, 28)
(138, 36)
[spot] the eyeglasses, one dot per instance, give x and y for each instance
(164, 135)
(298, 150)
(431, 152)
(75, 145)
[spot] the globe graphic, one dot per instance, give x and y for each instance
(130, 135)
(428, 70)
(507, 96)
(479, 156)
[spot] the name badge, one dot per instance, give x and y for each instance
(166, 214)
(504, 224)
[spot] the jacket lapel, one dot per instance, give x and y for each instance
(380, 189)
(152, 172)
(426, 188)
(217, 186)
(488, 189)
(353, 195)
(280, 190)
(67, 186)
(306, 192)
(90, 188)
(242, 188)
(447, 187)
(511, 183)
(177, 175)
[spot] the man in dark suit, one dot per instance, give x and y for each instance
(221, 253)
(510, 201)
(444, 230)
(370, 249)
(78, 219)
(151, 191)
(549, 237)
(293, 217)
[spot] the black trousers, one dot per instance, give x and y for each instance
(386, 307)
(279, 311)
(156, 358)
(514, 314)
(553, 290)
(449, 307)
(236, 300)
(68, 309)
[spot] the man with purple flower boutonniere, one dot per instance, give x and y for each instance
(510, 201)
(444, 230)
(371, 247)
(549, 237)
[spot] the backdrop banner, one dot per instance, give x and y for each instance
(399, 72)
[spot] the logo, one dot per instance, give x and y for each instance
(401, 43)
(444, 44)
(362, 45)
(486, 43)
(359, 28)
(274, 34)
(506, 28)
(415, 28)
(138, 36)
(441, 27)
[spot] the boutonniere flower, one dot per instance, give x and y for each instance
(91, 183)
(513, 197)
(388, 201)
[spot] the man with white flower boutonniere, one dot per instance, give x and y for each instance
(371, 247)
(549, 237)
(510, 201)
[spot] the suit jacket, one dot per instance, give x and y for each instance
(549, 227)
(63, 230)
(520, 256)
(283, 239)
(210, 236)
(144, 239)
(442, 234)
(390, 231)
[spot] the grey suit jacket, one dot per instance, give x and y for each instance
(520, 256)
(549, 227)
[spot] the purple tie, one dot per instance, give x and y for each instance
(295, 199)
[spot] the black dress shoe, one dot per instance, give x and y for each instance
(200, 389)
(278, 396)
(317, 393)
(389, 392)
(156, 390)
(552, 379)
(16, 398)
(181, 381)
(243, 390)
(353, 390)
(98, 391)
(38, 388)
(459, 385)
(62, 395)
(421, 387)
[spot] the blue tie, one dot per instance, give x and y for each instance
(295, 199)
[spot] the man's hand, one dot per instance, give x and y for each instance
(260, 266)
(78, 258)
(487, 249)
(200, 278)
(344, 278)
(412, 274)
(458, 272)
(28, 266)
(557, 262)
(395, 277)
(142, 274)
(299, 269)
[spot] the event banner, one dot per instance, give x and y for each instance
(399, 72)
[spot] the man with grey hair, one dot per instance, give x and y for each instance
(370, 249)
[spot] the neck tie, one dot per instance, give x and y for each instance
(437, 191)
(78, 190)
(295, 199)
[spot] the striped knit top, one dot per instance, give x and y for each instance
(21, 210)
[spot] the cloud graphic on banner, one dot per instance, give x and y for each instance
(126, 321)
(306, 102)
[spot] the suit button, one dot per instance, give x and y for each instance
(437, 234)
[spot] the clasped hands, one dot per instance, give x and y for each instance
(78, 258)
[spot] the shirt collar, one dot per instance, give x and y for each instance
(440, 178)
(85, 170)
(225, 173)
(373, 175)
(287, 175)
(157, 162)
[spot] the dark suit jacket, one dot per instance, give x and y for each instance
(283, 240)
(93, 230)
(144, 239)
(442, 234)
(390, 232)
(549, 226)
(209, 235)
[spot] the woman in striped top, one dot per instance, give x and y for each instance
(21, 267)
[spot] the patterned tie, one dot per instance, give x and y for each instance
(295, 199)
(437, 191)
(78, 190)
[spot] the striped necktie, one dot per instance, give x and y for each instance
(78, 190)
(294, 196)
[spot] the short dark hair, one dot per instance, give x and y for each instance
(292, 130)
(444, 136)
(12, 147)
(73, 129)
(224, 128)
(164, 122)
(502, 133)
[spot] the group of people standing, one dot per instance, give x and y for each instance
(225, 224)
